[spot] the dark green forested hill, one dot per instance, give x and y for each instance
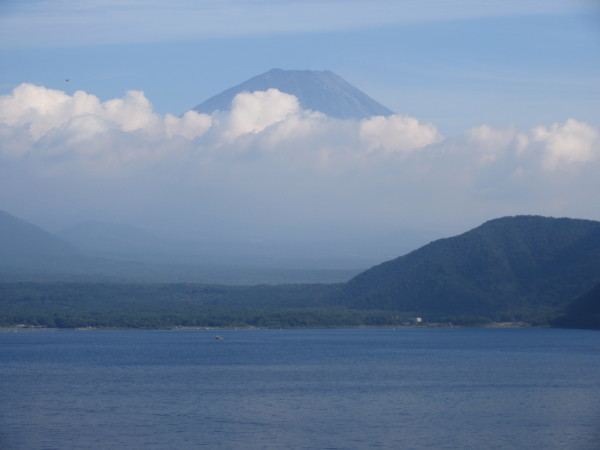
(583, 312)
(507, 265)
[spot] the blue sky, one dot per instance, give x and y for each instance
(497, 107)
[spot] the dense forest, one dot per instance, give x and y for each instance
(583, 312)
(120, 305)
(72, 305)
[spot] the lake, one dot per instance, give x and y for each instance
(343, 388)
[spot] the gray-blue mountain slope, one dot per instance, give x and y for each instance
(20, 239)
(98, 251)
(322, 91)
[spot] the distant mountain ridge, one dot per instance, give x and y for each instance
(322, 91)
(21, 239)
(346, 253)
(112, 240)
(507, 265)
(100, 251)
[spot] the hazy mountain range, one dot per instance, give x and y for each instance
(19, 238)
(100, 250)
(127, 242)
(322, 91)
(105, 251)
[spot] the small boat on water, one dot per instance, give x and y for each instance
(218, 337)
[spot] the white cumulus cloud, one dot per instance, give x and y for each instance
(268, 165)
(571, 142)
(41, 110)
(397, 133)
(253, 112)
(42, 122)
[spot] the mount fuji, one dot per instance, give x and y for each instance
(322, 91)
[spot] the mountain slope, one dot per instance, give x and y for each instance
(115, 240)
(505, 265)
(345, 253)
(21, 239)
(103, 251)
(583, 312)
(322, 91)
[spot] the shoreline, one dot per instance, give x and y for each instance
(495, 325)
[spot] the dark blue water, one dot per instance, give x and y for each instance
(360, 388)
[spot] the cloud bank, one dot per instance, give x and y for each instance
(268, 167)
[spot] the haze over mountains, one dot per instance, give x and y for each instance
(122, 241)
(322, 91)
(104, 251)
(21, 239)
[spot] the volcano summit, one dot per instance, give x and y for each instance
(322, 91)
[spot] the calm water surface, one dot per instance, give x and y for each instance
(359, 388)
